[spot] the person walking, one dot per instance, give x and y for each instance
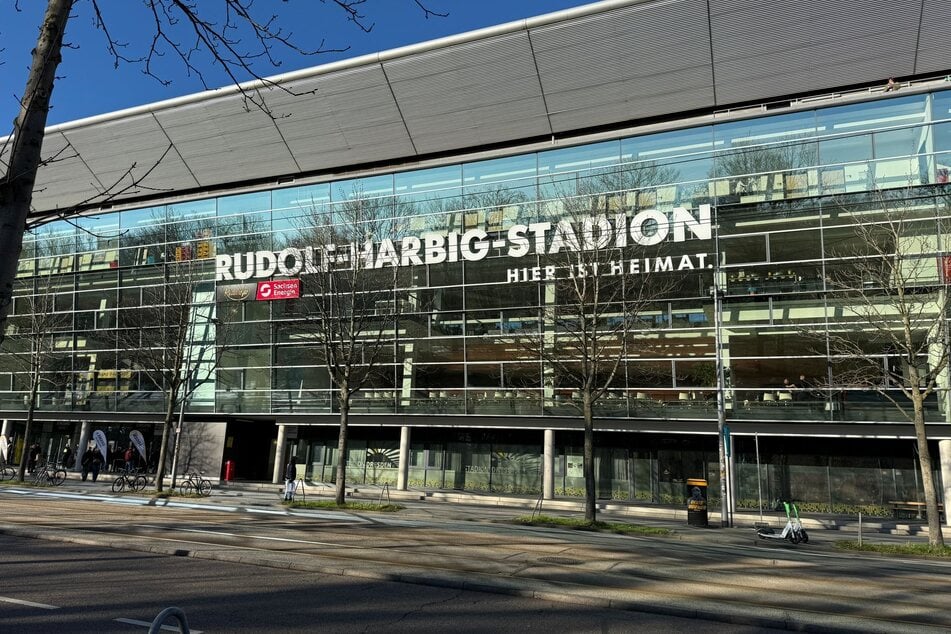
(91, 462)
(33, 457)
(290, 479)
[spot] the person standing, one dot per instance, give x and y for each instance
(290, 479)
(129, 458)
(91, 462)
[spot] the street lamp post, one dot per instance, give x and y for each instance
(723, 440)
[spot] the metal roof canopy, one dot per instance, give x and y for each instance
(606, 64)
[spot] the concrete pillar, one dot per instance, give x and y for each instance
(7, 426)
(944, 451)
(84, 434)
(279, 461)
(548, 466)
(402, 476)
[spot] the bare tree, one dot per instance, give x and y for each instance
(173, 341)
(38, 341)
(350, 305)
(236, 36)
(892, 335)
(603, 273)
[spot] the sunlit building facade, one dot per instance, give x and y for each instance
(749, 215)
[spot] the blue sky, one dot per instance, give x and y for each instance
(89, 84)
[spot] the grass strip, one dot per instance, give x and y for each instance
(574, 523)
(920, 550)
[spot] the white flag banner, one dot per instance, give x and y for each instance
(100, 437)
(4, 445)
(139, 441)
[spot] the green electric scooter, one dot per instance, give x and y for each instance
(793, 531)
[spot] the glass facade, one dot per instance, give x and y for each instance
(784, 191)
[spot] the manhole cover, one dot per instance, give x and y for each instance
(561, 561)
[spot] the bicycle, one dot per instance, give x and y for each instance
(193, 483)
(8, 473)
(48, 474)
(131, 479)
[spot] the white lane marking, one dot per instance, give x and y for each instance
(262, 537)
(169, 628)
(29, 604)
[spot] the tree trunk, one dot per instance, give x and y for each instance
(166, 430)
(935, 536)
(27, 432)
(590, 485)
(344, 403)
(25, 157)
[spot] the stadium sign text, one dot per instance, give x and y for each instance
(646, 228)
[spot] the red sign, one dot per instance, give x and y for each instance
(945, 261)
(278, 289)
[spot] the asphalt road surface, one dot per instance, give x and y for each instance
(61, 587)
(719, 575)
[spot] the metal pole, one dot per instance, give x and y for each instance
(725, 512)
(759, 477)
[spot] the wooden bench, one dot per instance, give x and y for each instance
(908, 510)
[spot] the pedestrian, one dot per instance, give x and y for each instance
(34, 457)
(92, 460)
(129, 457)
(290, 479)
(67, 457)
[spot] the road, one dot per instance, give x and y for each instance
(61, 587)
(707, 575)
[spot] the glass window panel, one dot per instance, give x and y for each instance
(687, 153)
(743, 249)
(765, 130)
(370, 187)
(795, 246)
(429, 190)
(846, 149)
(901, 142)
(576, 169)
(876, 115)
(502, 181)
(243, 203)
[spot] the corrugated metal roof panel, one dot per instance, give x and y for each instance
(607, 64)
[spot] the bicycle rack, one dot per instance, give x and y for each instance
(164, 615)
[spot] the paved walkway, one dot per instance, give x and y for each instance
(492, 506)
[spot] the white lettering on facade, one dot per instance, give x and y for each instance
(646, 228)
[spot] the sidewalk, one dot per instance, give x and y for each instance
(259, 494)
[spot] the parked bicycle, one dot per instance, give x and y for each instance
(48, 474)
(195, 483)
(7, 472)
(131, 480)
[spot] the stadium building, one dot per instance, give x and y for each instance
(733, 149)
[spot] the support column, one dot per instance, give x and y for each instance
(84, 433)
(944, 451)
(548, 466)
(402, 476)
(279, 454)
